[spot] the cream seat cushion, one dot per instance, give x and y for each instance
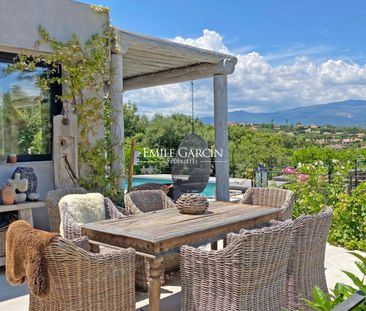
(84, 208)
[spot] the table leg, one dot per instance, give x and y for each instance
(155, 284)
(26, 214)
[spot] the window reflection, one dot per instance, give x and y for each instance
(25, 113)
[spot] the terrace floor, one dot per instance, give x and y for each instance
(336, 260)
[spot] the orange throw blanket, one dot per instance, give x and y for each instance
(25, 259)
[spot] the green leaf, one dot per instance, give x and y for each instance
(356, 280)
(322, 299)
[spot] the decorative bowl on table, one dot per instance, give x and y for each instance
(192, 203)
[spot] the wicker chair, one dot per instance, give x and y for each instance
(144, 201)
(306, 264)
(69, 229)
(52, 199)
(84, 281)
(246, 275)
(274, 197)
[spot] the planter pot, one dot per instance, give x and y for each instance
(12, 158)
(8, 195)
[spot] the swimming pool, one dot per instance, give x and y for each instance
(136, 181)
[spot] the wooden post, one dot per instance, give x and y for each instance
(65, 150)
(221, 138)
(132, 157)
(117, 121)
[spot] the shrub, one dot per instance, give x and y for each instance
(316, 191)
(326, 302)
(349, 221)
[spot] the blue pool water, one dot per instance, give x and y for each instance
(136, 181)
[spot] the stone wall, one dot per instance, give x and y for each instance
(19, 23)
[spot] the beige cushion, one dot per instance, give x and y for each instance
(84, 208)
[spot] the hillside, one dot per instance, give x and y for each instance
(346, 113)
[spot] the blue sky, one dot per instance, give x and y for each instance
(283, 47)
(325, 28)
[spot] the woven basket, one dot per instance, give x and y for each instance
(2, 241)
(190, 203)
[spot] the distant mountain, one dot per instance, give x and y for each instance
(346, 113)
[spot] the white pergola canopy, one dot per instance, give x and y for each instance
(145, 61)
(149, 61)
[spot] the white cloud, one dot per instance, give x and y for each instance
(210, 40)
(258, 85)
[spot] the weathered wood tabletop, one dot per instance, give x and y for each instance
(162, 232)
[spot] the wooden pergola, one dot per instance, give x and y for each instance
(143, 61)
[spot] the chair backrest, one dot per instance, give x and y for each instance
(52, 199)
(306, 263)
(80, 280)
(275, 197)
(145, 200)
(259, 261)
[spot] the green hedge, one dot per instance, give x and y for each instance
(315, 192)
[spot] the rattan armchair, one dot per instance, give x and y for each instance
(69, 229)
(52, 199)
(144, 201)
(84, 281)
(246, 275)
(273, 197)
(306, 263)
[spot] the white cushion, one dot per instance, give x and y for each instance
(84, 208)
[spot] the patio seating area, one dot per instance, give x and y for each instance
(336, 260)
(263, 261)
(76, 233)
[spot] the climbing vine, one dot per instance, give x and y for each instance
(85, 76)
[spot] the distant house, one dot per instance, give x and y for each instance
(321, 141)
(347, 141)
(336, 146)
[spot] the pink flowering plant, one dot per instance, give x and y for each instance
(315, 189)
(312, 187)
(303, 178)
(288, 170)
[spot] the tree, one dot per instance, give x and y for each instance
(135, 124)
(167, 131)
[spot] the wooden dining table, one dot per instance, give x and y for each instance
(163, 232)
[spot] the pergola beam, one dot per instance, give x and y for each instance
(188, 73)
(166, 47)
